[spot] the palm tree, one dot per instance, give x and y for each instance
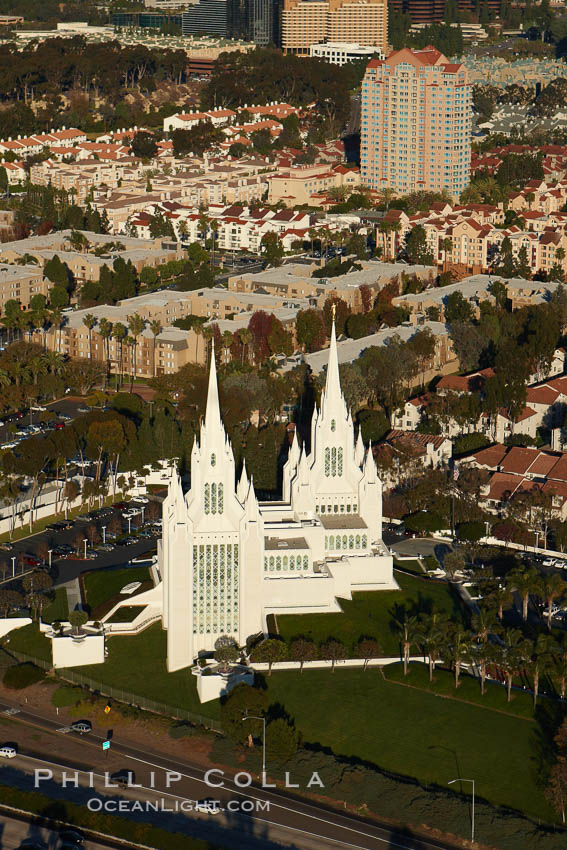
(408, 629)
(198, 331)
(542, 660)
(56, 319)
(120, 332)
(432, 632)
(514, 653)
(524, 582)
(37, 367)
(245, 339)
(551, 587)
(446, 244)
(386, 196)
(136, 326)
(483, 653)
(156, 329)
(105, 331)
(89, 321)
(499, 597)
(227, 340)
(457, 648)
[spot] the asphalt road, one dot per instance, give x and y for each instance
(248, 817)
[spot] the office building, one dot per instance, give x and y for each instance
(340, 52)
(416, 119)
(309, 22)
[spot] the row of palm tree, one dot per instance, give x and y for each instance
(123, 335)
(21, 372)
(484, 647)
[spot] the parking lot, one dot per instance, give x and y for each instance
(97, 539)
(19, 426)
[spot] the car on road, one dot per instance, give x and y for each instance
(64, 417)
(84, 409)
(123, 778)
(106, 547)
(6, 547)
(208, 806)
(8, 751)
(140, 500)
(82, 726)
(9, 445)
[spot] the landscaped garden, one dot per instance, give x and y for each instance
(102, 586)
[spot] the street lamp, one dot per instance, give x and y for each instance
(13, 566)
(49, 551)
(103, 529)
(143, 509)
(85, 541)
(129, 526)
(472, 812)
(536, 539)
(263, 719)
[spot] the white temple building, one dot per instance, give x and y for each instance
(227, 560)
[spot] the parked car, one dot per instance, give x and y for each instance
(106, 547)
(82, 726)
(8, 751)
(64, 417)
(121, 505)
(83, 409)
(31, 561)
(72, 836)
(59, 426)
(141, 500)
(5, 547)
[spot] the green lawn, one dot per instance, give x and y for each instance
(58, 609)
(126, 614)
(411, 566)
(137, 665)
(30, 640)
(415, 733)
(370, 614)
(102, 585)
(521, 704)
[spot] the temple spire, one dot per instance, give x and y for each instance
(212, 414)
(333, 384)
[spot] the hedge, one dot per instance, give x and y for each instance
(21, 676)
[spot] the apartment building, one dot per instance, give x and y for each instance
(21, 283)
(416, 121)
(308, 22)
(299, 185)
(294, 281)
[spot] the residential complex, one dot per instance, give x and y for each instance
(21, 283)
(416, 119)
(308, 22)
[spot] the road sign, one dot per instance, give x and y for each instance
(107, 709)
(106, 745)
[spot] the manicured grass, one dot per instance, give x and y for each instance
(102, 585)
(58, 609)
(137, 665)
(521, 703)
(30, 640)
(410, 566)
(126, 614)
(40, 524)
(411, 732)
(371, 614)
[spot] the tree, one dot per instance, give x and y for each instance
(302, 650)
(156, 329)
(226, 652)
(310, 329)
(417, 248)
(240, 703)
(282, 740)
(458, 309)
(144, 145)
(556, 791)
(272, 248)
(78, 619)
(457, 648)
(136, 325)
(550, 587)
(514, 654)
(524, 582)
(9, 600)
(432, 632)
(368, 648)
(333, 650)
(89, 321)
(541, 660)
(270, 651)
(446, 245)
(407, 627)
(453, 563)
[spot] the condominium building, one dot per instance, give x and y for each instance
(21, 283)
(416, 120)
(307, 22)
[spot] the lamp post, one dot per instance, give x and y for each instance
(103, 529)
(129, 526)
(143, 509)
(85, 541)
(263, 719)
(49, 551)
(486, 522)
(13, 566)
(536, 539)
(472, 812)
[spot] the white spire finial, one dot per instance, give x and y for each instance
(332, 384)
(212, 414)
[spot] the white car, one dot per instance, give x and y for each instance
(140, 500)
(8, 752)
(8, 445)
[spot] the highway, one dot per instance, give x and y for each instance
(15, 830)
(248, 817)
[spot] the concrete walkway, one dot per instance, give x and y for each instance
(73, 590)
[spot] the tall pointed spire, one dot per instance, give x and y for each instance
(333, 384)
(212, 414)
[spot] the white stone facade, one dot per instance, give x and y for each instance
(227, 560)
